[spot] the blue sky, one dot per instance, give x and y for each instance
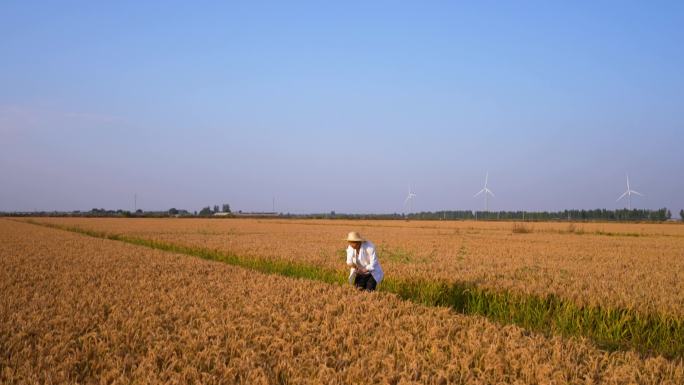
(340, 107)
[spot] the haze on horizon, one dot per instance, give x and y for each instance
(340, 106)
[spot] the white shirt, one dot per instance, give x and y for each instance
(366, 259)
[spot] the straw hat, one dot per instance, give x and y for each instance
(353, 236)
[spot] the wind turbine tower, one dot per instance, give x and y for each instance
(409, 200)
(629, 193)
(486, 192)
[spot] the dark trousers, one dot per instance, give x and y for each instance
(365, 282)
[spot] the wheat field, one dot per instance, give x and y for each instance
(632, 266)
(76, 309)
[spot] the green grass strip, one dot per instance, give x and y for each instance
(609, 328)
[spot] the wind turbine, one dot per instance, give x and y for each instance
(629, 193)
(409, 199)
(486, 192)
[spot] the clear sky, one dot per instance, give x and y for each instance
(340, 106)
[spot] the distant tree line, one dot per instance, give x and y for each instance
(334, 215)
(662, 214)
(92, 213)
(207, 211)
(575, 215)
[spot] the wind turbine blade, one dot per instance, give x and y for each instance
(478, 193)
(622, 196)
(637, 193)
(486, 179)
(627, 181)
(407, 199)
(490, 192)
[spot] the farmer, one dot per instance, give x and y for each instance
(366, 272)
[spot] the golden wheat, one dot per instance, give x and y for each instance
(83, 310)
(632, 266)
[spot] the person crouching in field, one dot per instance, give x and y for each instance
(365, 272)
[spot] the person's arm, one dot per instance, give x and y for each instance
(373, 258)
(350, 257)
